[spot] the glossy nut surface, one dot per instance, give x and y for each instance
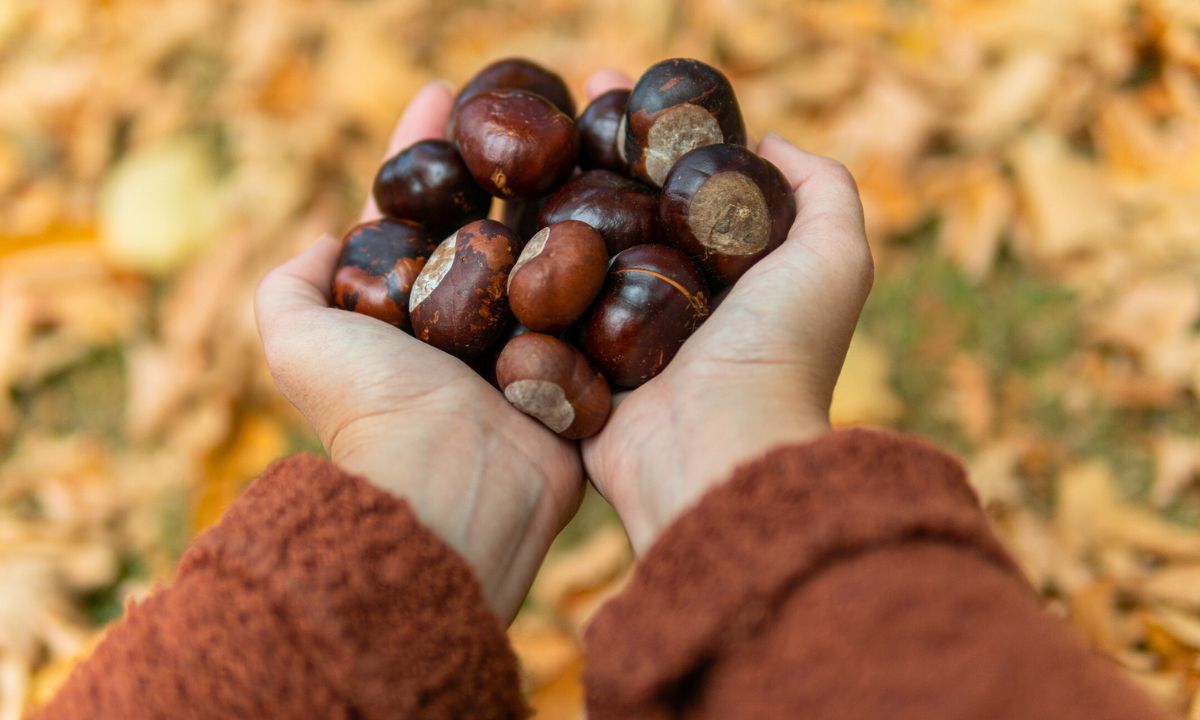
(458, 303)
(676, 106)
(653, 298)
(429, 183)
(727, 208)
(559, 273)
(377, 267)
(599, 126)
(514, 74)
(550, 380)
(625, 212)
(517, 145)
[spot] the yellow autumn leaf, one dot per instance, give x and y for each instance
(863, 395)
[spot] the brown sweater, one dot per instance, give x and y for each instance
(852, 577)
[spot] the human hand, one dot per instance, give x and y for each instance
(759, 373)
(491, 482)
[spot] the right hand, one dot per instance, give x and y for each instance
(759, 373)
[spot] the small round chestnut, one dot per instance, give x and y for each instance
(625, 212)
(514, 74)
(379, 262)
(559, 273)
(550, 380)
(727, 208)
(599, 126)
(676, 106)
(516, 144)
(458, 303)
(428, 182)
(652, 301)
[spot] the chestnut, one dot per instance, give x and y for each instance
(428, 182)
(377, 266)
(727, 208)
(653, 298)
(458, 303)
(552, 381)
(625, 212)
(559, 273)
(599, 126)
(676, 106)
(514, 74)
(516, 144)
(522, 215)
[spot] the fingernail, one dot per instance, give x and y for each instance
(773, 136)
(441, 82)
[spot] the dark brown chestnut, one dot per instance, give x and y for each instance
(522, 215)
(514, 74)
(676, 106)
(516, 144)
(550, 380)
(559, 273)
(726, 208)
(428, 182)
(625, 212)
(377, 267)
(458, 303)
(599, 126)
(653, 299)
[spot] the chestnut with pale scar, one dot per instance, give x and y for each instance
(552, 381)
(726, 208)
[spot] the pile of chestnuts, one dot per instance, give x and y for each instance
(616, 227)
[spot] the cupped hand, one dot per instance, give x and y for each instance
(491, 482)
(759, 373)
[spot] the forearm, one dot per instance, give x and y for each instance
(851, 577)
(316, 595)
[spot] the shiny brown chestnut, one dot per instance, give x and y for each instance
(625, 212)
(377, 266)
(516, 144)
(676, 106)
(428, 182)
(599, 126)
(552, 381)
(514, 74)
(726, 208)
(458, 303)
(653, 299)
(559, 273)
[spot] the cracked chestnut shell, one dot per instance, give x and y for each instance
(552, 381)
(727, 208)
(516, 144)
(559, 273)
(458, 303)
(428, 182)
(676, 106)
(378, 264)
(514, 74)
(625, 212)
(599, 127)
(653, 299)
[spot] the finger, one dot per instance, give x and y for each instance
(829, 216)
(424, 119)
(300, 283)
(605, 80)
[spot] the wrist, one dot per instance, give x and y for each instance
(708, 436)
(467, 483)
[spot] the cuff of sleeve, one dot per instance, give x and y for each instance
(719, 570)
(393, 618)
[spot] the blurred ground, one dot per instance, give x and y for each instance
(1031, 172)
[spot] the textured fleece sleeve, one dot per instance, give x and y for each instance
(316, 596)
(852, 577)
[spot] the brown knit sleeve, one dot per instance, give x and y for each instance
(317, 595)
(852, 577)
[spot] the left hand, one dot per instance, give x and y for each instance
(491, 482)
